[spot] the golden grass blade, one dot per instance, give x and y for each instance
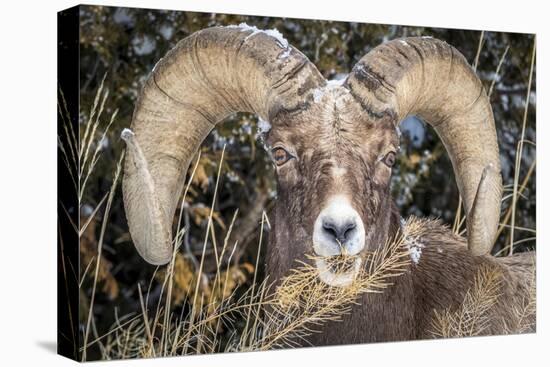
(92, 216)
(479, 48)
(85, 272)
(255, 273)
(99, 252)
(89, 124)
(146, 321)
(508, 214)
(500, 62)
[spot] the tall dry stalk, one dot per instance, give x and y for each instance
(519, 151)
(68, 143)
(90, 145)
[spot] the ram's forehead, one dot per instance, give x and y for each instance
(333, 119)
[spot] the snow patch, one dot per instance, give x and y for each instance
(263, 126)
(277, 35)
(126, 134)
(359, 67)
(336, 82)
(318, 93)
(281, 41)
(398, 132)
(403, 42)
(415, 249)
(285, 54)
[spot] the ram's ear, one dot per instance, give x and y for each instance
(206, 77)
(428, 78)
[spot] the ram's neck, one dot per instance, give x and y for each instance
(377, 317)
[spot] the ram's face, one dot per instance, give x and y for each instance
(334, 167)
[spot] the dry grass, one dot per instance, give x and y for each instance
(80, 155)
(474, 314)
(275, 317)
(525, 314)
(481, 302)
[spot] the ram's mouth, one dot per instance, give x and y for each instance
(340, 263)
(339, 270)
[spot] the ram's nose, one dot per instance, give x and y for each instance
(338, 229)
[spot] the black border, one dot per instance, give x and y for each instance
(68, 70)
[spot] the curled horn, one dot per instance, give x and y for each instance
(205, 78)
(432, 80)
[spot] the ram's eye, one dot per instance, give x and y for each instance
(280, 156)
(389, 159)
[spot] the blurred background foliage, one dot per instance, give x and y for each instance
(123, 45)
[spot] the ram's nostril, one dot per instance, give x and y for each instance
(340, 231)
(347, 230)
(330, 228)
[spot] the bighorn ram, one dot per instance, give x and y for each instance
(333, 146)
